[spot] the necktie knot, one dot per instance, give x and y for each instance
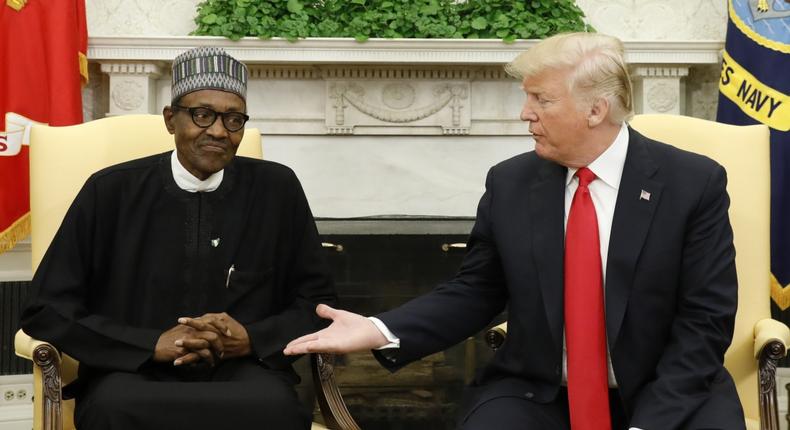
(585, 176)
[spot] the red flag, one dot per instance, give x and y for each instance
(43, 45)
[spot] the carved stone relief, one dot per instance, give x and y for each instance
(141, 17)
(127, 95)
(431, 106)
(658, 89)
(658, 19)
(662, 97)
(132, 87)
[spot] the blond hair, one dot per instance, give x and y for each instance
(597, 66)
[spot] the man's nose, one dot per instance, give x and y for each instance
(527, 114)
(218, 128)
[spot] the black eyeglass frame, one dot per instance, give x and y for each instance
(216, 114)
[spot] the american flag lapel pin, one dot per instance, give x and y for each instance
(644, 195)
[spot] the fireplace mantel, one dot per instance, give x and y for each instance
(388, 127)
(381, 51)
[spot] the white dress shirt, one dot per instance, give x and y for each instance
(188, 182)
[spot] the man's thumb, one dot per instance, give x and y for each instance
(326, 311)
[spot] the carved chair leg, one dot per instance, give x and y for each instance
(47, 359)
(769, 410)
(333, 408)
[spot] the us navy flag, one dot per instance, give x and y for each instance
(754, 88)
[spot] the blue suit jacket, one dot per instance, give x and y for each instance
(671, 288)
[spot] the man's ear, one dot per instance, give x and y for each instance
(598, 113)
(168, 115)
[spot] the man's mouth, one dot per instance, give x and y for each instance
(213, 147)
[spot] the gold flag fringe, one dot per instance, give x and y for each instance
(18, 231)
(780, 294)
(83, 67)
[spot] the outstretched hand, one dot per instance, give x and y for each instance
(348, 332)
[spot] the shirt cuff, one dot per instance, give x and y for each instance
(393, 340)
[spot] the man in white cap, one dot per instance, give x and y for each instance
(177, 279)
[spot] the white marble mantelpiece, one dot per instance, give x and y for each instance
(380, 51)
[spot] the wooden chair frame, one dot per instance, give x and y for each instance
(48, 363)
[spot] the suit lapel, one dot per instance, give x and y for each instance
(547, 210)
(637, 200)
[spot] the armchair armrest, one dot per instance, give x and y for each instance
(24, 345)
(47, 379)
(770, 331)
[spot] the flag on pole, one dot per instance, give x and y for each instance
(43, 45)
(754, 88)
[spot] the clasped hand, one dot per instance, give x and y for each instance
(209, 338)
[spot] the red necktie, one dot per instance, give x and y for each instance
(585, 331)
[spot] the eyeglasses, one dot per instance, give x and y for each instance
(204, 117)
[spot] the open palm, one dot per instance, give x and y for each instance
(348, 332)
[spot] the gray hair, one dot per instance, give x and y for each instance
(597, 66)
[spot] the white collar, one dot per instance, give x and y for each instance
(187, 182)
(608, 167)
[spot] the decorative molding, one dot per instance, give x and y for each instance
(379, 51)
(290, 73)
(132, 86)
(148, 69)
(128, 94)
(659, 71)
(387, 103)
(662, 96)
(378, 72)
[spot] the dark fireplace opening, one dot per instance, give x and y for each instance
(380, 266)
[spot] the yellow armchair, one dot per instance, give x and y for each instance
(758, 341)
(61, 160)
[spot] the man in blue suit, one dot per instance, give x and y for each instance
(612, 254)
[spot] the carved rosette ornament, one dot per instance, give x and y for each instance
(662, 97)
(398, 96)
(128, 95)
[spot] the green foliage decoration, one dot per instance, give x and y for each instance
(362, 19)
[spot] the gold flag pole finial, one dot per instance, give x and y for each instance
(17, 5)
(762, 5)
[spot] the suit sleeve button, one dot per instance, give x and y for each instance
(529, 394)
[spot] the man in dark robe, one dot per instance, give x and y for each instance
(177, 279)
